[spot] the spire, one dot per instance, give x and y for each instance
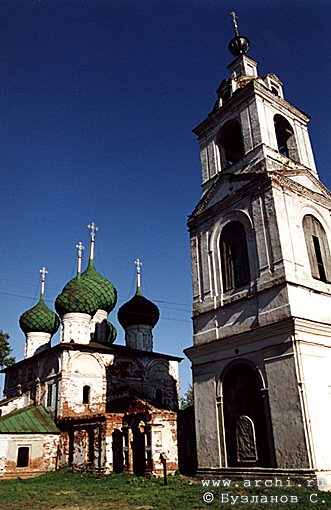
(138, 264)
(93, 229)
(239, 45)
(80, 247)
(43, 271)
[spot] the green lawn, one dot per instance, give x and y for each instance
(67, 490)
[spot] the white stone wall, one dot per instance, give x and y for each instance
(164, 440)
(42, 453)
(36, 342)
(81, 369)
(76, 327)
(314, 356)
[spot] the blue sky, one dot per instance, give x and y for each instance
(98, 100)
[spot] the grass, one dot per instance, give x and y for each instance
(66, 490)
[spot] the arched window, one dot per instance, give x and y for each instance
(318, 248)
(230, 143)
(286, 143)
(234, 256)
(86, 394)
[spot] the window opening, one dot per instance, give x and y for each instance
(319, 258)
(49, 395)
(286, 143)
(226, 95)
(231, 143)
(86, 394)
(318, 248)
(23, 456)
(234, 256)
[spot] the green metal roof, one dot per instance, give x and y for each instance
(106, 292)
(30, 420)
(77, 298)
(40, 318)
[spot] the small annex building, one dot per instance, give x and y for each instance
(107, 407)
(29, 441)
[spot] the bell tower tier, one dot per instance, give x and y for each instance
(251, 124)
(261, 271)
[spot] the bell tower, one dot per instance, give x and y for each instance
(261, 271)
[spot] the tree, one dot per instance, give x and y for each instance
(188, 399)
(5, 350)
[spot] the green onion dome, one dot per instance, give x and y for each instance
(76, 297)
(138, 310)
(39, 319)
(105, 291)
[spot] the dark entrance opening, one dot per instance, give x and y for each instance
(118, 458)
(138, 451)
(23, 456)
(244, 418)
(91, 452)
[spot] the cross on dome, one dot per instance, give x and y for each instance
(138, 264)
(239, 45)
(80, 247)
(43, 271)
(93, 229)
(235, 24)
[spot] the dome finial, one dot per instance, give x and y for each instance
(239, 45)
(235, 24)
(43, 271)
(80, 247)
(93, 229)
(138, 264)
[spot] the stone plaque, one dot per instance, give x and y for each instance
(246, 442)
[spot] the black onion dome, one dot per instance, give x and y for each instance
(239, 45)
(138, 310)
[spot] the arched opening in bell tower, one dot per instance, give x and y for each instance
(245, 417)
(230, 143)
(286, 143)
